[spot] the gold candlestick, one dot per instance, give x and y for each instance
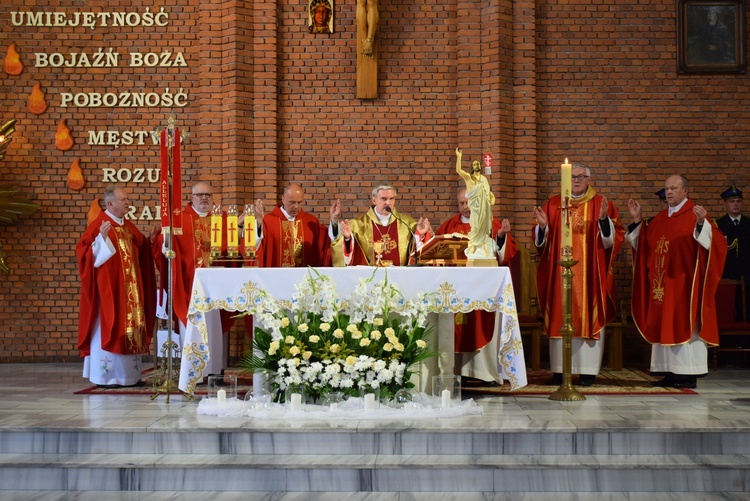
(566, 391)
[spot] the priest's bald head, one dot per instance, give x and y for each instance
(293, 199)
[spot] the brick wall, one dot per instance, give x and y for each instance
(529, 82)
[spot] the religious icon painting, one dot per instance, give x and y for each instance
(320, 16)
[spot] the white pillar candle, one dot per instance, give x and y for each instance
(446, 398)
(296, 402)
(369, 401)
(221, 396)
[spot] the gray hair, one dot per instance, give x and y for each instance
(585, 169)
(109, 193)
(381, 187)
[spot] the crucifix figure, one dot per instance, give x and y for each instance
(367, 51)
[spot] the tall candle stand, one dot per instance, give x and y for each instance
(566, 391)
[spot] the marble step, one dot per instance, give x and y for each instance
(378, 473)
(366, 496)
(378, 442)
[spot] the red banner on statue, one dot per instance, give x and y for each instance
(170, 182)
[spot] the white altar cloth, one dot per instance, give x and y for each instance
(461, 289)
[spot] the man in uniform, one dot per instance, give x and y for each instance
(736, 229)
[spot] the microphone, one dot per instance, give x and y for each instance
(412, 238)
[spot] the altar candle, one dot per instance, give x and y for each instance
(566, 183)
(221, 396)
(296, 402)
(369, 401)
(232, 231)
(217, 230)
(446, 398)
(250, 232)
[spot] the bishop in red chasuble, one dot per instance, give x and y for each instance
(118, 295)
(678, 262)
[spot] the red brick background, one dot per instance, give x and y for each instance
(529, 82)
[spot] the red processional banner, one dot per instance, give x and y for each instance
(170, 182)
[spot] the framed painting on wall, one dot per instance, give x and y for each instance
(320, 16)
(711, 36)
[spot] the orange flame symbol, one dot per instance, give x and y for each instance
(75, 176)
(37, 104)
(63, 139)
(13, 64)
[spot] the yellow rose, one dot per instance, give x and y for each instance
(356, 335)
(351, 328)
(364, 342)
(375, 335)
(306, 355)
(351, 360)
(387, 347)
(289, 340)
(338, 334)
(325, 327)
(314, 339)
(335, 348)
(285, 322)
(302, 327)
(389, 332)
(421, 343)
(294, 350)
(378, 321)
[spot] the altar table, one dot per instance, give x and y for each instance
(461, 290)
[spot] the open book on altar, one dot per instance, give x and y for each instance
(444, 250)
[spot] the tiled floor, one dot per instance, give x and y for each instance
(41, 396)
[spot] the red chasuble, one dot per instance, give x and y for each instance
(675, 279)
(122, 290)
(593, 290)
(372, 240)
(192, 250)
(474, 330)
(292, 244)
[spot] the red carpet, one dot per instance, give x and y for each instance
(608, 382)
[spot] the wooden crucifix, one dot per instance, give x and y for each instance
(367, 49)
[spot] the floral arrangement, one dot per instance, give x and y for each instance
(321, 343)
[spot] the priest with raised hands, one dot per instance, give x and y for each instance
(289, 237)
(118, 295)
(191, 245)
(677, 264)
(382, 236)
(474, 331)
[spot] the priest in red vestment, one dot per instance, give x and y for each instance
(192, 248)
(474, 331)
(290, 237)
(118, 295)
(380, 237)
(677, 264)
(597, 237)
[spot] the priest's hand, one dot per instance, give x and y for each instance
(635, 210)
(346, 230)
(541, 217)
(335, 211)
(504, 229)
(604, 209)
(259, 210)
(104, 228)
(423, 226)
(155, 230)
(700, 213)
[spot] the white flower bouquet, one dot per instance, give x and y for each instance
(321, 343)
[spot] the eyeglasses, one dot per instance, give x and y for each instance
(203, 195)
(579, 178)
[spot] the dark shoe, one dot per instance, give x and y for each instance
(689, 382)
(664, 382)
(139, 384)
(109, 386)
(586, 379)
(555, 380)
